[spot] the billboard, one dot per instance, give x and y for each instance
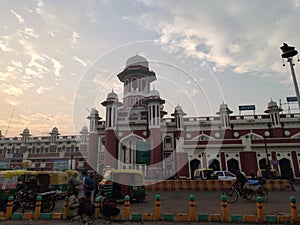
(60, 164)
(246, 107)
(292, 99)
(4, 165)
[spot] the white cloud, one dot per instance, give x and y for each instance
(13, 102)
(57, 67)
(75, 38)
(28, 32)
(11, 89)
(41, 90)
(4, 46)
(80, 61)
(19, 17)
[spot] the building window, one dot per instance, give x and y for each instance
(134, 83)
(144, 85)
(126, 86)
(168, 142)
(46, 150)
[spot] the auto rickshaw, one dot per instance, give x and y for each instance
(59, 180)
(116, 184)
(205, 174)
(10, 182)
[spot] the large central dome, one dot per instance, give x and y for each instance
(137, 61)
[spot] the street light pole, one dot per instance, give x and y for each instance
(267, 159)
(71, 166)
(288, 52)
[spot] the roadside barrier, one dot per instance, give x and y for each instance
(210, 185)
(127, 207)
(259, 209)
(225, 213)
(126, 216)
(157, 207)
(294, 212)
(37, 211)
(192, 208)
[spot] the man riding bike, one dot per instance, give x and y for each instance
(240, 182)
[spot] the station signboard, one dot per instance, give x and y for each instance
(246, 107)
(292, 99)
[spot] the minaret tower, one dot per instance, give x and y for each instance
(224, 114)
(136, 78)
(53, 137)
(111, 141)
(25, 137)
(182, 166)
(93, 138)
(154, 120)
(273, 110)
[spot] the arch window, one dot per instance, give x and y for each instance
(144, 85)
(168, 142)
(126, 86)
(134, 84)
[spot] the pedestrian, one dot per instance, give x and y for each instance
(89, 183)
(73, 204)
(86, 207)
(73, 183)
(253, 175)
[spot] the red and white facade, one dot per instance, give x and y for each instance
(51, 152)
(180, 144)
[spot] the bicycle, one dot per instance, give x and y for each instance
(255, 189)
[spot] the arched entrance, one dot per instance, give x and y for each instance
(214, 164)
(232, 165)
(286, 169)
(194, 164)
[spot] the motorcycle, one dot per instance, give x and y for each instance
(254, 188)
(26, 198)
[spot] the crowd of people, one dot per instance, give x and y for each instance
(80, 201)
(82, 195)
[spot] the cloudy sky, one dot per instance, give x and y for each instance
(60, 58)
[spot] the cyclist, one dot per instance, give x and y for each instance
(240, 182)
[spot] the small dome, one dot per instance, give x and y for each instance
(272, 105)
(84, 129)
(223, 106)
(154, 93)
(112, 95)
(178, 108)
(137, 61)
(26, 131)
(55, 130)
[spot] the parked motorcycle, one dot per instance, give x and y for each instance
(26, 198)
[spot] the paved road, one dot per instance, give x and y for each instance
(206, 203)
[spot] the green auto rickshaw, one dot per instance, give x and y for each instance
(116, 184)
(205, 174)
(10, 182)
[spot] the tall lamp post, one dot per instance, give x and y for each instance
(288, 52)
(267, 159)
(71, 164)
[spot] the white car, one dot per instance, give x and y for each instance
(225, 175)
